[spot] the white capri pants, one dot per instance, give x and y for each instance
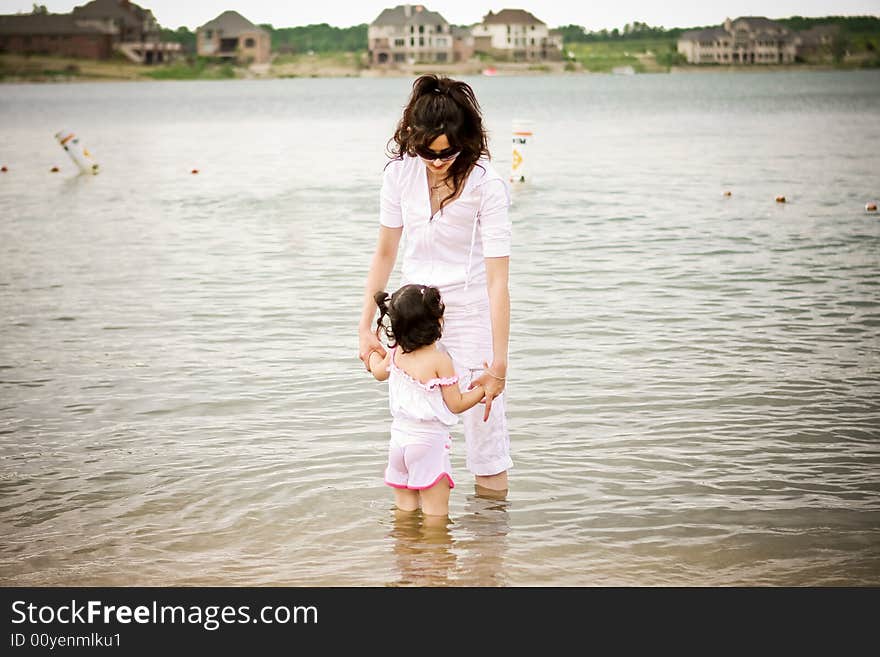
(467, 338)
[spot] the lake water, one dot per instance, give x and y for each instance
(694, 388)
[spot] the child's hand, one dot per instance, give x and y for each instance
(378, 364)
(493, 385)
(369, 344)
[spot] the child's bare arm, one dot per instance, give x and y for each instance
(459, 402)
(379, 365)
(455, 400)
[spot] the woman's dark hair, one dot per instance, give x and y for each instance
(442, 106)
(415, 312)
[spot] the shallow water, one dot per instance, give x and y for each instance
(694, 382)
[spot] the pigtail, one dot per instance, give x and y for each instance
(432, 302)
(382, 302)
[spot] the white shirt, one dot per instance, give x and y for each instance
(414, 403)
(446, 250)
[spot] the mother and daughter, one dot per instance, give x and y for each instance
(449, 323)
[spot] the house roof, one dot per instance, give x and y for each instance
(130, 13)
(816, 34)
(231, 24)
(48, 24)
(511, 17)
(709, 34)
(760, 23)
(418, 15)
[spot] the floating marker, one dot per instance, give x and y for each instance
(3, 169)
(194, 171)
(54, 170)
(727, 193)
(780, 199)
(522, 135)
(80, 156)
(871, 207)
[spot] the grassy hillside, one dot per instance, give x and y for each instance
(643, 55)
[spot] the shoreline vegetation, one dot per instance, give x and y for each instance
(326, 51)
(44, 68)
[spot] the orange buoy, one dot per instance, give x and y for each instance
(871, 207)
(780, 199)
(727, 193)
(3, 169)
(54, 170)
(194, 171)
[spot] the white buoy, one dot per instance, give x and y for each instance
(522, 135)
(78, 153)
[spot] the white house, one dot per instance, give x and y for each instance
(409, 34)
(518, 35)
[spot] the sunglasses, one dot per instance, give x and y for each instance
(445, 155)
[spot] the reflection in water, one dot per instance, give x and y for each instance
(423, 548)
(481, 532)
(470, 551)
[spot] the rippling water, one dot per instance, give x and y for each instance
(694, 378)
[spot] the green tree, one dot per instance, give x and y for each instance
(181, 35)
(839, 47)
(573, 33)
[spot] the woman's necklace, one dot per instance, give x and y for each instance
(435, 190)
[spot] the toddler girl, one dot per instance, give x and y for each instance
(424, 397)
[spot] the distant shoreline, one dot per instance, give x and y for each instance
(17, 69)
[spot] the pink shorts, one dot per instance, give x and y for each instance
(418, 462)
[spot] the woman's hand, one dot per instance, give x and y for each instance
(368, 343)
(492, 380)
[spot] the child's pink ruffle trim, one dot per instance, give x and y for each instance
(430, 384)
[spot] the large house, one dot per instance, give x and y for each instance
(818, 42)
(134, 23)
(94, 30)
(55, 34)
(746, 40)
(409, 34)
(517, 35)
(232, 36)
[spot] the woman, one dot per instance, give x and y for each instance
(443, 195)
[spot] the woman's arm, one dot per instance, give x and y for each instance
(377, 279)
(499, 312)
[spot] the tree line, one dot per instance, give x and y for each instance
(326, 38)
(315, 38)
(850, 25)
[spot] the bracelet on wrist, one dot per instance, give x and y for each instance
(495, 376)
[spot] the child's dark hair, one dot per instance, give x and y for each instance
(414, 312)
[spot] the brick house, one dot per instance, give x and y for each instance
(55, 34)
(516, 34)
(409, 34)
(94, 30)
(462, 44)
(232, 36)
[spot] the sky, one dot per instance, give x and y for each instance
(592, 15)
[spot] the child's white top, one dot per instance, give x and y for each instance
(413, 401)
(446, 249)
